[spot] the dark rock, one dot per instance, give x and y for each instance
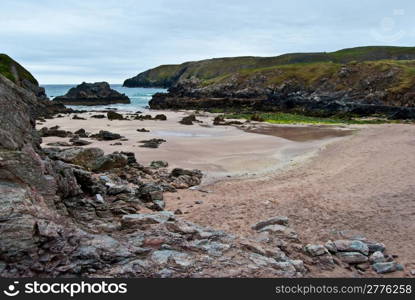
(351, 246)
(76, 117)
(98, 93)
(143, 130)
(45, 132)
(109, 162)
(79, 142)
(104, 135)
(280, 220)
(60, 144)
(81, 133)
(156, 164)
(98, 116)
(188, 120)
(130, 157)
(161, 117)
(153, 143)
(352, 257)
(315, 250)
(112, 115)
(377, 257)
(387, 267)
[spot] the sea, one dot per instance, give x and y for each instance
(139, 96)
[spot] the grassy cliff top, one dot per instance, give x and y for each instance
(14, 71)
(168, 75)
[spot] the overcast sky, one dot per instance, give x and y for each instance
(96, 40)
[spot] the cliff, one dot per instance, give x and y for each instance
(41, 106)
(168, 75)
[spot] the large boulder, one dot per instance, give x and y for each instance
(98, 93)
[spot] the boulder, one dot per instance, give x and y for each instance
(98, 93)
(387, 267)
(153, 143)
(157, 164)
(133, 220)
(316, 250)
(109, 162)
(280, 220)
(112, 115)
(85, 157)
(351, 246)
(104, 135)
(352, 257)
(377, 257)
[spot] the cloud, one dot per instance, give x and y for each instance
(74, 41)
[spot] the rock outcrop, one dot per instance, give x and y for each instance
(98, 93)
(355, 89)
(41, 107)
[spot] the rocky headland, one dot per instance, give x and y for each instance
(98, 93)
(368, 81)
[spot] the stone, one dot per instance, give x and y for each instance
(188, 120)
(143, 130)
(119, 189)
(156, 164)
(316, 250)
(99, 199)
(76, 117)
(331, 246)
(279, 220)
(153, 143)
(112, 115)
(387, 267)
(81, 133)
(133, 220)
(84, 157)
(98, 93)
(280, 231)
(373, 247)
(109, 162)
(81, 143)
(377, 257)
(352, 257)
(104, 135)
(351, 246)
(161, 117)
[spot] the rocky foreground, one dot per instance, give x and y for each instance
(98, 93)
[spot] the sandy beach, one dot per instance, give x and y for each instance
(219, 151)
(331, 182)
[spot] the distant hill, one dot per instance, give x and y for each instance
(168, 75)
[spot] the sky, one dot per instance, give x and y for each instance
(78, 40)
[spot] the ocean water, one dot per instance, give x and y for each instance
(139, 96)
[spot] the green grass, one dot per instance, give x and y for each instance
(6, 69)
(288, 118)
(216, 69)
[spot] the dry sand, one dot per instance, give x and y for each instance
(330, 187)
(219, 151)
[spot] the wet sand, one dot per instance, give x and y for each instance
(219, 151)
